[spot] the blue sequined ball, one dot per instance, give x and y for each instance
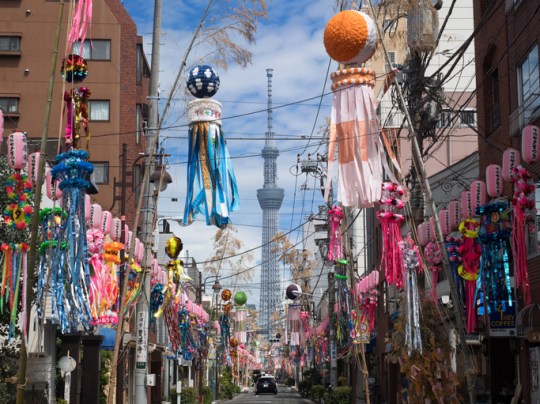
(203, 81)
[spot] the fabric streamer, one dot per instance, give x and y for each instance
(412, 262)
(69, 259)
(211, 182)
(350, 38)
(433, 256)
(454, 257)
(13, 280)
(293, 317)
(82, 20)
(335, 246)
(494, 235)
(390, 218)
(523, 202)
(240, 324)
(77, 115)
(471, 251)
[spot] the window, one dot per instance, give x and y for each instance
(97, 49)
(9, 105)
(529, 85)
(141, 123)
(392, 58)
(99, 110)
(10, 43)
(495, 112)
(389, 26)
(468, 118)
(445, 119)
(101, 172)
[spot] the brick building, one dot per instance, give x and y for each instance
(507, 77)
(118, 77)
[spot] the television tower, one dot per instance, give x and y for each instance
(270, 198)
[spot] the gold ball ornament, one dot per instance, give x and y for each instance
(350, 37)
(173, 247)
(226, 294)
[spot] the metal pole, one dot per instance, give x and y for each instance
(141, 359)
(32, 253)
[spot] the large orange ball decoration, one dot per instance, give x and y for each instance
(233, 342)
(350, 37)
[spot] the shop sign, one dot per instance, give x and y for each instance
(502, 322)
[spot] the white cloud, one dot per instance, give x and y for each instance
(289, 42)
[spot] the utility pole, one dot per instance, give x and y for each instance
(200, 367)
(332, 336)
(141, 353)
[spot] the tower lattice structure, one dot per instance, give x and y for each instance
(270, 198)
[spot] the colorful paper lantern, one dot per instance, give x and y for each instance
(466, 205)
(478, 195)
(17, 151)
(494, 181)
(511, 159)
(529, 144)
(454, 215)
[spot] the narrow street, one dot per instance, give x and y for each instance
(285, 395)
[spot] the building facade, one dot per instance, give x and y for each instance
(508, 95)
(118, 76)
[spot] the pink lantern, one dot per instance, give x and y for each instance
(423, 233)
(106, 221)
(116, 229)
(95, 216)
(17, 151)
(494, 184)
(154, 267)
(466, 205)
(478, 195)
(454, 215)
(87, 208)
(444, 219)
(139, 250)
(33, 166)
(53, 191)
(511, 159)
(432, 236)
(529, 144)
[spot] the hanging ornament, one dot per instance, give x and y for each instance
(70, 263)
(524, 205)
(529, 144)
(74, 69)
(293, 317)
(14, 279)
(212, 188)
(494, 235)
(18, 212)
(240, 298)
(511, 159)
(173, 247)
(494, 181)
(412, 263)
(335, 245)
(76, 101)
(82, 19)
(454, 257)
(433, 256)
(240, 324)
(293, 291)
(470, 251)
(226, 295)
(350, 37)
(390, 217)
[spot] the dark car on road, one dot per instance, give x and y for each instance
(266, 384)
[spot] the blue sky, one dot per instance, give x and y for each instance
(290, 42)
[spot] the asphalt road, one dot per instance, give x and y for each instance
(285, 396)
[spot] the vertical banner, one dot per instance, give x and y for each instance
(141, 351)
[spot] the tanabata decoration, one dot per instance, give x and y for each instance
(1, 127)
(367, 294)
(293, 291)
(82, 19)
(240, 298)
(74, 69)
(335, 245)
(175, 277)
(344, 324)
(350, 37)
(211, 182)
(18, 212)
(70, 263)
(494, 235)
(433, 256)
(76, 101)
(523, 202)
(224, 319)
(471, 251)
(453, 241)
(390, 217)
(413, 264)
(293, 317)
(14, 279)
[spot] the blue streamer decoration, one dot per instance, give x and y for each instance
(211, 183)
(494, 235)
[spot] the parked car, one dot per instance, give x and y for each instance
(266, 384)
